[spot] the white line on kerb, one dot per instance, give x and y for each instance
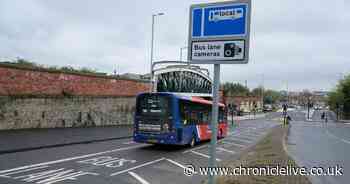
(204, 155)
(176, 163)
(71, 158)
(142, 165)
(136, 176)
(226, 150)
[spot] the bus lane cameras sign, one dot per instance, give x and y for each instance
(219, 33)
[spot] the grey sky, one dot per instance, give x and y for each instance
(302, 43)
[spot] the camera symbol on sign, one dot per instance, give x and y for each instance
(231, 50)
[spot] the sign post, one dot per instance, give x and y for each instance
(219, 34)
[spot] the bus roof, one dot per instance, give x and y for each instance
(189, 98)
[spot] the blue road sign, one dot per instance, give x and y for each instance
(219, 32)
(219, 21)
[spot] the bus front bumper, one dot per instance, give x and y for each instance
(162, 138)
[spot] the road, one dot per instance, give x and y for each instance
(317, 144)
(123, 161)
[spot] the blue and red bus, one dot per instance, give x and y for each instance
(167, 118)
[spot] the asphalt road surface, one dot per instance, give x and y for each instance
(319, 144)
(123, 161)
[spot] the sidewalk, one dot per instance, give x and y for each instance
(30, 139)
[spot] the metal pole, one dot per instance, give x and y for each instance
(180, 54)
(214, 121)
(151, 71)
(308, 108)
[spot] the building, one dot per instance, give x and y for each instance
(245, 103)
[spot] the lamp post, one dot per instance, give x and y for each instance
(152, 41)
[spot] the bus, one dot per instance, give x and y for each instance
(168, 118)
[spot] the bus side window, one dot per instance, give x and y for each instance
(205, 117)
(185, 113)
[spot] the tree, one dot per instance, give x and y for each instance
(340, 97)
(234, 89)
(257, 91)
(271, 96)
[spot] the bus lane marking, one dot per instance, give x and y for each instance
(139, 178)
(107, 161)
(136, 167)
(176, 163)
(234, 144)
(226, 150)
(48, 176)
(196, 148)
(70, 159)
(204, 155)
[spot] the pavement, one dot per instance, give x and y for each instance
(124, 161)
(30, 139)
(319, 144)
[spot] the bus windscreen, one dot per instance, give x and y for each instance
(152, 105)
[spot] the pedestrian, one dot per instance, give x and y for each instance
(322, 115)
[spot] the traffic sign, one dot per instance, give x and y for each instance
(219, 32)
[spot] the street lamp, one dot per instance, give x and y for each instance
(152, 40)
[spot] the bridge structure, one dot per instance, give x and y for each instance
(181, 78)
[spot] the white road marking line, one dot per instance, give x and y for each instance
(176, 163)
(142, 165)
(130, 142)
(204, 155)
(21, 171)
(136, 176)
(71, 158)
(234, 144)
(226, 150)
(336, 137)
(196, 148)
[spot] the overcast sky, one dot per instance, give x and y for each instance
(304, 44)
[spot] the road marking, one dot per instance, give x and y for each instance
(136, 167)
(130, 142)
(176, 163)
(234, 144)
(196, 148)
(136, 176)
(71, 158)
(336, 137)
(226, 150)
(204, 155)
(6, 175)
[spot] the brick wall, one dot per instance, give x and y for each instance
(51, 99)
(60, 112)
(19, 82)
